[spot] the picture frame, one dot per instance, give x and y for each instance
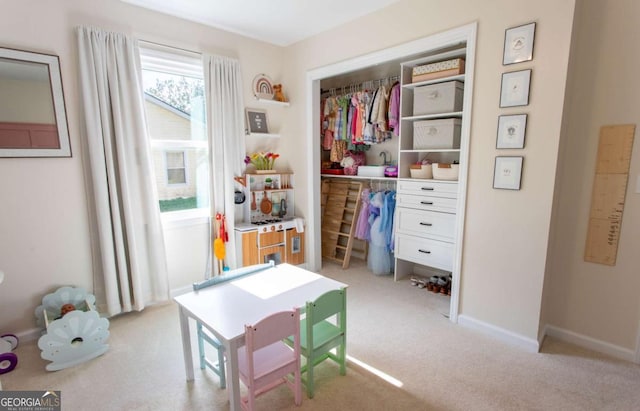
(507, 173)
(511, 131)
(514, 90)
(257, 121)
(35, 123)
(518, 44)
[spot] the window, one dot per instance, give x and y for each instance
(176, 169)
(173, 83)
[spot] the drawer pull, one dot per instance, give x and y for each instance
(426, 202)
(426, 188)
(427, 224)
(424, 251)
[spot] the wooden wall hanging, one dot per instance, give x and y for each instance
(608, 195)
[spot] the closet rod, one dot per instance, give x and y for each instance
(360, 86)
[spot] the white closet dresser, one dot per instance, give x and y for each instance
(432, 112)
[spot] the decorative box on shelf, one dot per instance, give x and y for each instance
(437, 70)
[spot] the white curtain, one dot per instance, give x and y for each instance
(225, 124)
(131, 258)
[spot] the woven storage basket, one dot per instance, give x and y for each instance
(423, 172)
(444, 171)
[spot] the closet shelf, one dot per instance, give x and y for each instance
(358, 177)
(429, 180)
(459, 77)
(262, 135)
(457, 53)
(273, 102)
(457, 114)
(433, 150)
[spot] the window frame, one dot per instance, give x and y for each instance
(164, 59)
(185, 168)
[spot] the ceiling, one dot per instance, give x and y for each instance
(279, 22)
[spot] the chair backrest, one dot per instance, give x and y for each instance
(273, 328)
(327, 305)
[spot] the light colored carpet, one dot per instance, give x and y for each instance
(392, 326)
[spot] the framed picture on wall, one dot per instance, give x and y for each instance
(256, 121)
(518, 44)
(515, 88)
(507, 173)
(33, 120)
(511, 131)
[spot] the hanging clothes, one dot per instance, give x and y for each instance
(368, 136)
(329, 122)
(379, 258)
(338, 148)
(341, 119)
(386, 226)
(394, 108)
(362, 224)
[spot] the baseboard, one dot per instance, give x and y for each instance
(528, 344)
(175, 292)
(591, 343)
(30, 334)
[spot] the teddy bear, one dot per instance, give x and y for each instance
(278, 94)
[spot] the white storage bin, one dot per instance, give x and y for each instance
(434, 134)
(443, 171)
(438, 98)
(423, 172)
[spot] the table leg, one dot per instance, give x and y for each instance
(233, 380)
(186, 343)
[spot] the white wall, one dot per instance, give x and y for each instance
(45, 239)
(506, 233)
(596, 301)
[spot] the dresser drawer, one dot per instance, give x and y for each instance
(423, 202)
(432, 224)
(430, 188)
(424, 251)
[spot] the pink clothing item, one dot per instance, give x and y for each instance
(327, 141)
(354, 119)
(394, 108)
(362, 225)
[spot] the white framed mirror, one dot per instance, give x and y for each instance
(33, 119)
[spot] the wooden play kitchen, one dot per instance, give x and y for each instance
(269, 230)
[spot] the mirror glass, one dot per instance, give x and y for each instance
(33, 120)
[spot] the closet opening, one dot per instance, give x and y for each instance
(351, 82)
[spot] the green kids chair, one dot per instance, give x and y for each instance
(319, 336)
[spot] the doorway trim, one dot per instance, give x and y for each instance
(463, 34)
